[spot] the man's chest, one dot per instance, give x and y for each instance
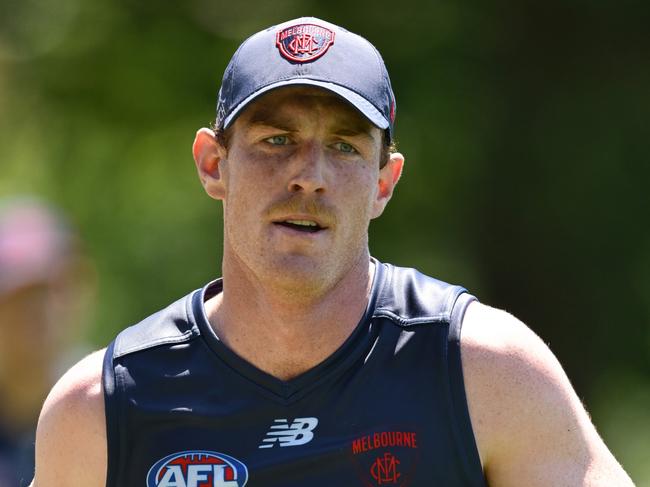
(372, 424)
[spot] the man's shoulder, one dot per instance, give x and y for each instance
(498, 346)
(80, 386)
(71, 435)
(530, 426)
(497, 333)
(509, 371)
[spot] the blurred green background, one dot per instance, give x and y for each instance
(525, 124)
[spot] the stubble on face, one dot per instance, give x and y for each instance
(260, 191)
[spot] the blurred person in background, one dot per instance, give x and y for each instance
(43, 294)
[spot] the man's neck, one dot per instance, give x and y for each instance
(282, 334)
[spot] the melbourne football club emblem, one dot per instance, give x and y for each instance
(304, 42)
(197, 469)
(386, 457)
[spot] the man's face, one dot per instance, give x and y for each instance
(300, 181)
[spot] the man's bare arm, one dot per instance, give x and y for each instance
(530, 426)
(71, 433)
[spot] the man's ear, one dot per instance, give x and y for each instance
(388, 177)
(208, 155)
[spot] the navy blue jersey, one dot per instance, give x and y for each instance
(387, 408)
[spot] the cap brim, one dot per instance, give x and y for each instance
(358, 101)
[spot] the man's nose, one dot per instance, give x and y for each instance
(308, 170)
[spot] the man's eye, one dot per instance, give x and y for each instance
(345, 147)
(278, 140)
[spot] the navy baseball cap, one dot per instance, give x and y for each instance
(308, 51)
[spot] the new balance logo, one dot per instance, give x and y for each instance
(284, 434)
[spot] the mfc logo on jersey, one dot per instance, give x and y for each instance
(198, 469)
(299, 432)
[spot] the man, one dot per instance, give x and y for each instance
(310, 363)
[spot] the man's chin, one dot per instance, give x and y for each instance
(302, 273)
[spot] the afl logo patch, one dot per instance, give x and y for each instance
(196, 469)
(304, 42)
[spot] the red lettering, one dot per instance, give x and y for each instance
(303, 43)
(407, 439)
(384, 470)
(384, 439)
(356, 446)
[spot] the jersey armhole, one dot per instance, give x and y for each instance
(111, 407)
(458, 398)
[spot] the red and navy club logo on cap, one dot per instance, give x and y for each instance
(302, 43)
(197, 468)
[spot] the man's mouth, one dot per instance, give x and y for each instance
(307, 226)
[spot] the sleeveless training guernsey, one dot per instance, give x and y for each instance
(387, 408)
